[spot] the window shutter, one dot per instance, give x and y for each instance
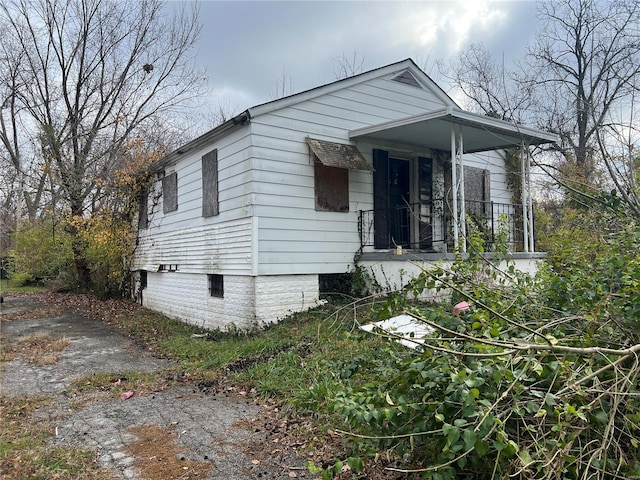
(486, 192)
(380, 198)
(425, 193)
(143, 214)
(170, 192)
(210, 205)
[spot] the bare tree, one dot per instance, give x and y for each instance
(584, 63)
(583, 67)
(24, 176)
(283, 87)
(347, 66)
(617, 147)
(487, 85)
(83, 76)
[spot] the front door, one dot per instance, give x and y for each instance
(403, 203)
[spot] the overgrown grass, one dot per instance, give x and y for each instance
(116, 384)
(301, 361)
(25, 452)
(8, 285)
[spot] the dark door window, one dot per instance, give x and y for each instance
(399, 203)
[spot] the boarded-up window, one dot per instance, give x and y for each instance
(332, 188)
(210, 205)
(143, 214)
(170, 192)
(476, 184)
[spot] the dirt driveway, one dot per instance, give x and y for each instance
(215, 435)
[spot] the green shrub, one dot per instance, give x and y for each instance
(538, 380)
(41, 252)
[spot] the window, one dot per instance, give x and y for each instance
(168, 267)
(143, 279)
(477, 193)
(170, 192)
(216, 285)
(210, 205)
(332, 162)
(332, 188)
(143, 214)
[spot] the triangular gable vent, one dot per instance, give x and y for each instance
(407, 78)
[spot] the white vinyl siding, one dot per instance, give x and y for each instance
(267, 238)
(293, 237)
(219, 248)
(221, 244)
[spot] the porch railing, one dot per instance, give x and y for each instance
(429, 226)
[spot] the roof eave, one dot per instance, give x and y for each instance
(527, 135)
(203, 140)
(533, 135)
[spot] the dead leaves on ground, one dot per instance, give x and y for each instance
(39, 349)
(158, 456)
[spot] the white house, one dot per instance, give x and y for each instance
(244, 223)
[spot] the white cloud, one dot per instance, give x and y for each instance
(448, 26)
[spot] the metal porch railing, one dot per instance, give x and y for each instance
(428, 227)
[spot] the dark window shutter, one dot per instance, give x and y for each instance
(210, 184)
(170, 192)
(381, 198)
(425, 192)
(486, 193)
(143, 215)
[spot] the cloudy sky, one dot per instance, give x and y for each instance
(252, 49)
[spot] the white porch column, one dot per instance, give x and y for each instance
(527, 200)
(457, 181)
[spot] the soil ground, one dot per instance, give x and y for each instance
(174, 431)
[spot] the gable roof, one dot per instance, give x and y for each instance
(480, 131)
(406, 72)
(401, 68)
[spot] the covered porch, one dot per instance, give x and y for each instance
(424, 206)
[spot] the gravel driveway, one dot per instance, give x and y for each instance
(216, 435)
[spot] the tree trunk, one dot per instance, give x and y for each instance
(83, 274)
(79, 247)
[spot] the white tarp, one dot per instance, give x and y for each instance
(409, 331)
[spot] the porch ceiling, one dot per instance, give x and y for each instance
(433, 130)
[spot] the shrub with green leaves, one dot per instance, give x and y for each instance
(538, 380)
(40, 252)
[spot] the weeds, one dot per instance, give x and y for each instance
(41, 348)
(25, 452)
(299, 364)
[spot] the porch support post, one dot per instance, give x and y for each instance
(463, 206)
(457, 181)
(527, 201)
(454, 186)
